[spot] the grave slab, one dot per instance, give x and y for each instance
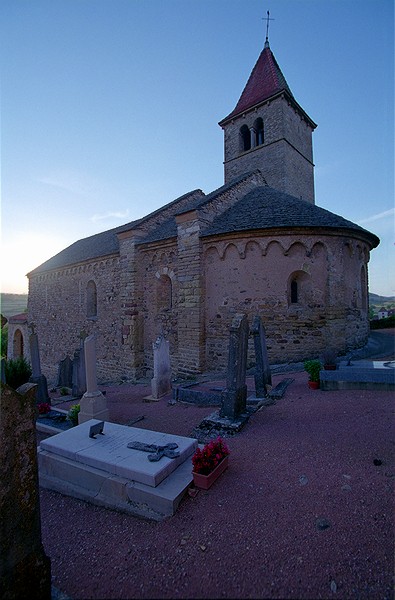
(363, 374)
(109, 452)
(105, 472)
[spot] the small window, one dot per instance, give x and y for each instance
(164, 293)
(18, 348)
(91, 300)
(258, 128)
(245, 138)
(294, 291)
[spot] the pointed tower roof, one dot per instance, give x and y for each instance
(265, 82)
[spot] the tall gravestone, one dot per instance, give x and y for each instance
(25, 570)
(161, 381)
(93, 403)
(263, 376)
(234, 400)
(65, 373)
(37, 377)
(79, 377)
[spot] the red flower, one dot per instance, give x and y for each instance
(204, 461)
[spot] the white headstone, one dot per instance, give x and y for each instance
(161, 381)
(93, 403)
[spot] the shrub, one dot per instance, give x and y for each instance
(383, 323)
(313, 368)
(73, 414)
(4, 341)
(17, 371)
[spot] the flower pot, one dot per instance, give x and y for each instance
(314, 385)
(206, 481)
(330, 367)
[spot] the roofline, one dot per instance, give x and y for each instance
(71, 264)
(365, 235)
(284, 93)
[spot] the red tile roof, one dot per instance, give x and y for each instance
(266, 81)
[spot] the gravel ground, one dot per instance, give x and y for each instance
(305, 509)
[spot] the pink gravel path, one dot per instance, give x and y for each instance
(306, 460)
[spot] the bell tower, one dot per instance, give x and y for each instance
(268, 130)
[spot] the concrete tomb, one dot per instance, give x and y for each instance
(360, 375)
(93, 403)
(114, 470)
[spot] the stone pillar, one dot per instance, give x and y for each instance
(191, 350)
(25, 570)
(132, 320)
(93, 403)
(252, 137)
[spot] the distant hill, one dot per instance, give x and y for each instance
(376, 299)
(13, 304)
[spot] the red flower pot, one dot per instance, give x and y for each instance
(314, 385)
(206, 481)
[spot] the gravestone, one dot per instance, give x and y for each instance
(37, 377)
(25, 570)
(78, 377)
(93, 403)
(3, 370)
(263, 376)
(161, 381)
(234, 399)
(65, 373)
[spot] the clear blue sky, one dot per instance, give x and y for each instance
(110, 110)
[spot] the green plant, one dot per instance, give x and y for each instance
(72, 415)
(4, 341)
(64, 391)
(313, 368)
(17, 371)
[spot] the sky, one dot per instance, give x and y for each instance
(110, 109)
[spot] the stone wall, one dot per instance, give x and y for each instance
(253, 275)
(58, 307)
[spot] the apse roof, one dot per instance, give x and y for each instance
(267, 208)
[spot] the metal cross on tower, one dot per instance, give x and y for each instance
(267, 29)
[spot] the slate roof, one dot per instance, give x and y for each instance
(95, 246)
(168, 229)
(267, 208)
(266, 81)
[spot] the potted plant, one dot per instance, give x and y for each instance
(72, 415)
(313, 368)
(329, 358)
(43, 409)
(209, 463)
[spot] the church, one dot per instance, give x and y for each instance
(257, 245)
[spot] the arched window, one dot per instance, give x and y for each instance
(245, 138)
(299, 288)
(294, 291)
(258, 128)
(18, 344)
(91, 299)
(164, 293)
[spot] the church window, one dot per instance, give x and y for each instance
(18, 344)
(91, 299)
(164, 293)
(245, 138)
(258, 128)
(294, 291)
